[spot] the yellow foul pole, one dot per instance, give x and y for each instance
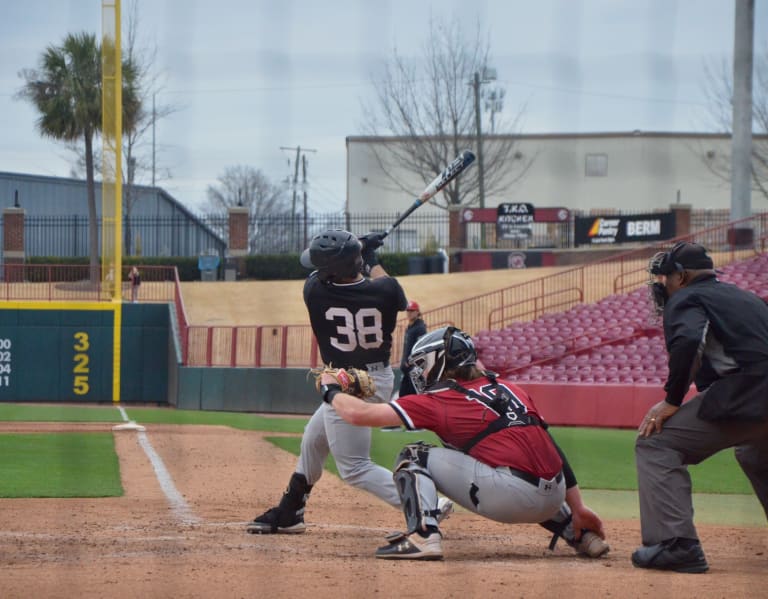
(112, 177)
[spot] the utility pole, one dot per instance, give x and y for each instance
(154, 117)
(304, 187)
(479, 142)
(299, 154)
(494, 103)
(741, 142)
(486, 76)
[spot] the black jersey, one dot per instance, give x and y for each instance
(353, 322)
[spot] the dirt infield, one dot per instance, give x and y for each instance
(144, 545)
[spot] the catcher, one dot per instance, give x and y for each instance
(498, 459)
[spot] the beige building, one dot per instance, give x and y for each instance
(631, 172)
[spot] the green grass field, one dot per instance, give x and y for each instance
(85, 464)
(60, 465)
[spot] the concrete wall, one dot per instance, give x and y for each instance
(271, 390)
(289, 391)
(645, 171)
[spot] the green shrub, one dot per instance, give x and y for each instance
(267, 267)
(275, 267)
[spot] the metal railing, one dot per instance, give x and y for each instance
(294, 345)
(67, 236)
(177, 235)
(78, 282)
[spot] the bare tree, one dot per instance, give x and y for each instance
(428, 108)
(138, 145)
(718, 88)
(268, 204)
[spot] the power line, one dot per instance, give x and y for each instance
(300, 156)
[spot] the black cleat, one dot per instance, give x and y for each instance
(277, 521)
(669, 555)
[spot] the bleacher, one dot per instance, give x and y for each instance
(616, 340)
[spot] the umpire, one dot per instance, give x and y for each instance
(717, 336)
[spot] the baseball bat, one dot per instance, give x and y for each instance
(453, 170)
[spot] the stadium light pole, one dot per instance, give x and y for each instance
(486, 76)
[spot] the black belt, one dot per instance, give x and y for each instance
(530, 478)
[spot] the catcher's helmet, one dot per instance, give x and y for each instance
(335, 254)
(434, 353)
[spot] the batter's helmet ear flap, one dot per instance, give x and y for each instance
(305, 260)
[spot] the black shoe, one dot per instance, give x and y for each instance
(669, 555)
(276, 520)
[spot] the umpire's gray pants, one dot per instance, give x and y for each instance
(664, 484)
(326, 432)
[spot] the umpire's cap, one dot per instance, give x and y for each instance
(683, 256)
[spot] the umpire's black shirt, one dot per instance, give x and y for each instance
(719, 326)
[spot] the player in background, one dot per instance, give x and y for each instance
(415, 330)
(498, 459)
(352, 318)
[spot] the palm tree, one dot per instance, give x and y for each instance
(66, 90)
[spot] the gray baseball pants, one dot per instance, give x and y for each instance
(326, 432)
(491, 492)
(664, 483)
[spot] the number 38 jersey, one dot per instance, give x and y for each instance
(353, 322)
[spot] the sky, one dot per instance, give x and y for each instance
(248, 77)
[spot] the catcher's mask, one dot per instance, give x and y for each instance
(335, 254)
(434, 353)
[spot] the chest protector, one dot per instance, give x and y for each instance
(511, 411)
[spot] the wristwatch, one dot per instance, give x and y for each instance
(329, 391)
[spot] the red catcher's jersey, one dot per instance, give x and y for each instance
(457, 417)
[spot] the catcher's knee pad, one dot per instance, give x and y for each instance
(413, 453)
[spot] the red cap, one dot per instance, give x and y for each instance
(413, 306)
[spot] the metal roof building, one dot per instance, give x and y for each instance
(56, 219)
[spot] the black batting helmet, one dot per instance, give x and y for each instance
(335, 254)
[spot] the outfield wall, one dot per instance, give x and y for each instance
(50, 354)
(290, 391)
(270, 390)
(65, 355)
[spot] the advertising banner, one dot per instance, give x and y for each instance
(596, 230)
(513, 221)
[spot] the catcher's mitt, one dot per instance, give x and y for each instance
(353, 381)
